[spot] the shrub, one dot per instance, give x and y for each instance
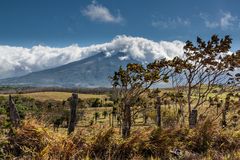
(103, 145)
(201, 138)
(22, 110)
(3, 111)
(127, 149)
(28, 141)
(97, 103)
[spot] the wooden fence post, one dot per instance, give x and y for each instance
(224, 112)
(73, 112)
(193, 118)
(158, 107)
(126, 121)
(109, 120)
(224, 122)
(145, 117)
(13, 113)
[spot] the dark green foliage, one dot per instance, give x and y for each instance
(3, 110)
(114, 111)
(105, 113)
(108, 104)
(97, 103)
(91, 122)
(22, 110)
(96, 116)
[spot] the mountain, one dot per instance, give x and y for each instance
(72, 66)
(19, 61)
(93, 71)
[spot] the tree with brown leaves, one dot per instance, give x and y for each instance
(132, 82)
(205, 66)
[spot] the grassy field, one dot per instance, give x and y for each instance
(59, 96)
(96, 137)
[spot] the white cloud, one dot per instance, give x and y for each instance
(97, 12)
(171, 23)
(122, 58)
(17, 61)
(225, 21)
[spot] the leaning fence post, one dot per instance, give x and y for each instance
(158, 107)
(224, 112)
(13, 113)
(224, 122)
(73, 112)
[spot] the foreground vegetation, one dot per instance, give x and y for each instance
(207, 141)
(97, 133)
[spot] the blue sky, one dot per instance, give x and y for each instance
(60, 23)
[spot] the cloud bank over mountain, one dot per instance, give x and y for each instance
(17, 61)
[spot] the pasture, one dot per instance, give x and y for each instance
(58, 96)
(99, 127)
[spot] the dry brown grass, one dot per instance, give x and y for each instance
(58, 96)
(207, 141)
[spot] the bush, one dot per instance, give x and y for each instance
(97, 103)
(225, 143)
(22, 110)
(103, 145)
(201, 138)
(109, 104)
(127, 149)
(28, 141)
(162, 141)
(3, 111)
